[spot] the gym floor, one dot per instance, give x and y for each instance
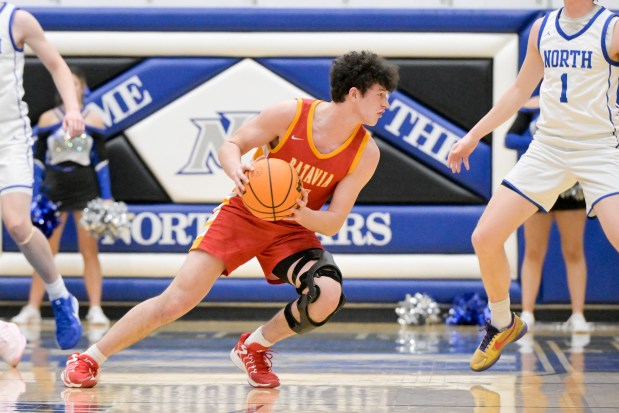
(343, 367)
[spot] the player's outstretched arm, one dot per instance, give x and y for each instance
(28, 31)
(510, 102)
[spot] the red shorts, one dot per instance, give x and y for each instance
(235, 236)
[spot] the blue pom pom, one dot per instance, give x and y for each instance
(468, 309)
(44, 214)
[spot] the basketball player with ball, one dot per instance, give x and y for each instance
(330, 156)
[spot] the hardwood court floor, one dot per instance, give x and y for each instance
(345, 367)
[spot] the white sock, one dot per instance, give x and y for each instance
(57, 289)
(257, 337)
(500, 314)
(527, 314)
(578, 316)
(94, 352)
(94, 307)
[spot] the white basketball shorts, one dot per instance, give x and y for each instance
(544, 171)
(16, 164)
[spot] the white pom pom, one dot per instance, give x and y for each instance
(106, 219)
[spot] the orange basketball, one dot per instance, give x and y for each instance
(273, 189)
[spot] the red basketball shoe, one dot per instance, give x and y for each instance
(81, 371)
(255, 360)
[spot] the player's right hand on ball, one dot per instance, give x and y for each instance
(240, 177)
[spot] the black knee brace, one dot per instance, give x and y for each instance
(324, 267)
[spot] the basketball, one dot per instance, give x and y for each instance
(273, 189)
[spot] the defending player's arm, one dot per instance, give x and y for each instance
(27, 30)
(514, 97)
(329, 222)
(270, 124)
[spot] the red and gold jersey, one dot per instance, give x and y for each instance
(319, 172)
(234, 235)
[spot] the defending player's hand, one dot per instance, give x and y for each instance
(73, 123)
(300, 213)
(460, 152)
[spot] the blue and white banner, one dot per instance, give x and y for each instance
(367, 230)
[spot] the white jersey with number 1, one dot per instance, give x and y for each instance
(578, 96)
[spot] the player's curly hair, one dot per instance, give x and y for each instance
(361, 70)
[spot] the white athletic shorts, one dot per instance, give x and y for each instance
(16, 164)
(546, 170)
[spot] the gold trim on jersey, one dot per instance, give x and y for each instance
(310, 136)
(360, 151)
(260, 151)
(291, 127)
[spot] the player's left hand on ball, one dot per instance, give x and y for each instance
(299, 211)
